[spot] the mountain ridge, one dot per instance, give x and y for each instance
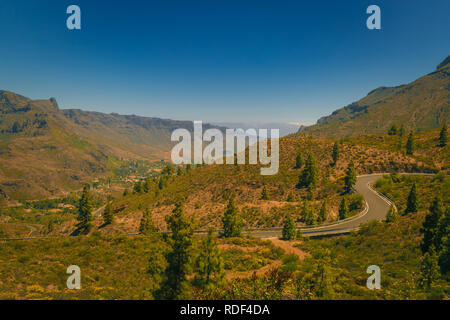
(46, 150)
(419, 105)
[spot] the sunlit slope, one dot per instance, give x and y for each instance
(420, 105)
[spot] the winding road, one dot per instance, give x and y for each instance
(375, 209)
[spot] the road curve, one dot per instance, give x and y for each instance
(376, 208)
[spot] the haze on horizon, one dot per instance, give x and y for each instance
(218, 62)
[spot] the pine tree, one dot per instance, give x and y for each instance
(265, 194)
(299, 160)
(126, 192)
(310, 174)
(393, 130)
(108, 216)
(85, 211)
(209, 264)
(308, 214)
(431, 226)
(412, 204)
(391, 215)
(146, 225)
(343, 209)
(323, 213)
(443, 138)
(335, 154)
(232, 224)
(288, 232)
(180, 257)
(429, 269)
(350, 177)
(410, 144)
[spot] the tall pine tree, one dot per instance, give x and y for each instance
(412, 203)
(108, 216)
(179, 259)
(232, 223)
(431, 226)
(288, 232)
(299, 160)
(410, 144)
(85, 211)
(310, 174)
(209, 265)
(350, 177)
(343, 209)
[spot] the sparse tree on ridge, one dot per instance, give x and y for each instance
(412, 204)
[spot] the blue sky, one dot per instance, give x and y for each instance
(287, 61)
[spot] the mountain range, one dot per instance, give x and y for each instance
(45, 150)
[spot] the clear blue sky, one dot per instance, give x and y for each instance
(217, 60)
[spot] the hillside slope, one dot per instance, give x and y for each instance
(420, 105)
(45, 150)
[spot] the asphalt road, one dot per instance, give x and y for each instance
(375, 209)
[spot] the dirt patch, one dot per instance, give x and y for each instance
(288, 247)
